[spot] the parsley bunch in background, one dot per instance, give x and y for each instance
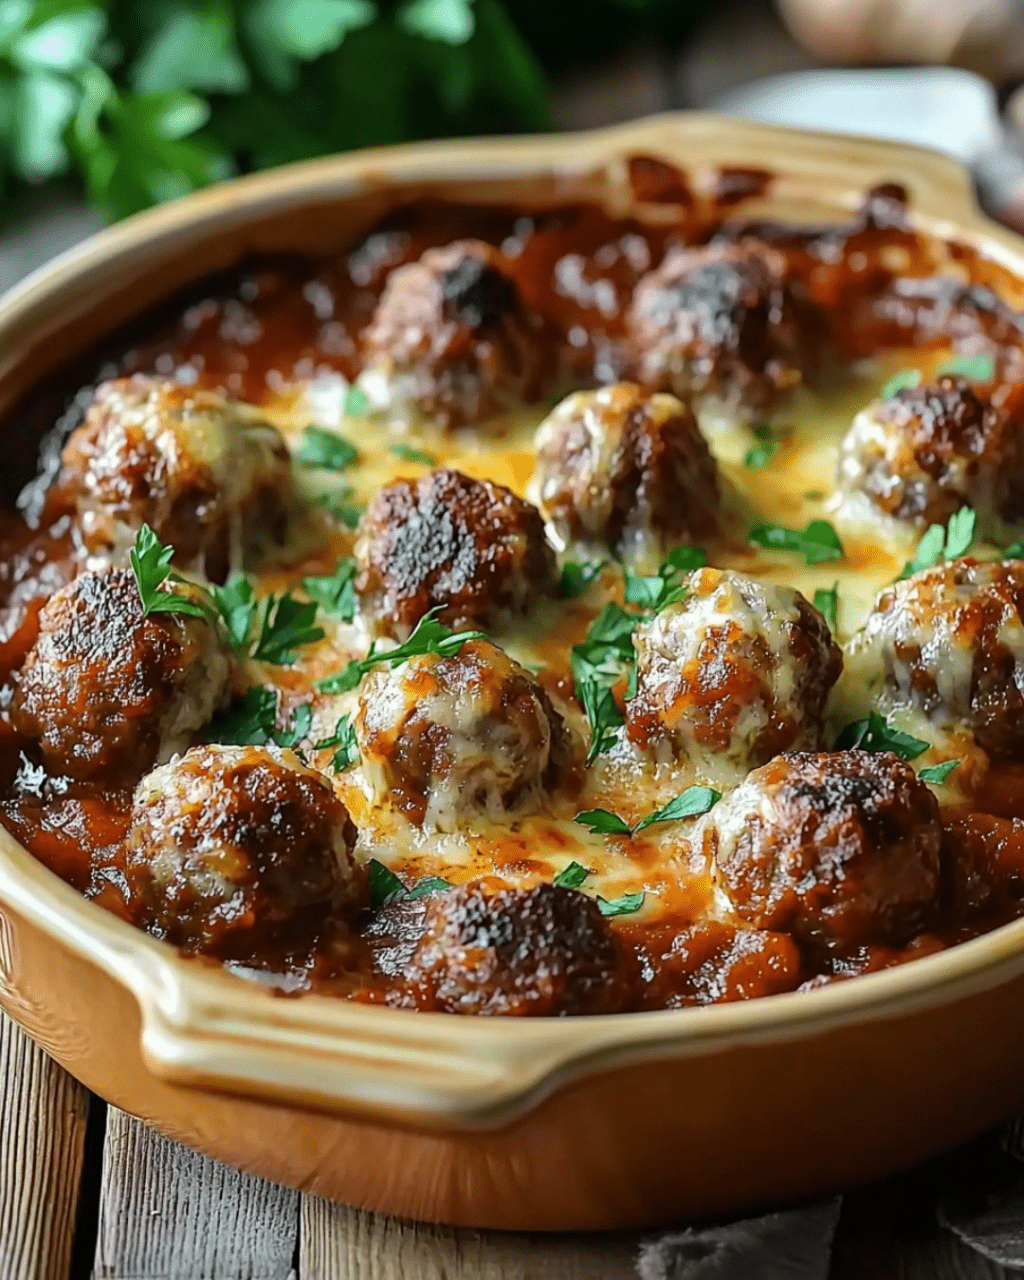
(149, 99)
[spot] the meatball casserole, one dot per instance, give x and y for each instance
(544, 613)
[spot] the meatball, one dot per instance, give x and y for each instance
(949, 642)
(490, 948)
(467, 546)
(732, 674)
(721, 322)
(107, 691)
(473, 732)
(840, 848)
(625, 470)
(454, 339)
(208, 475)
(926, 451)
(233, 849)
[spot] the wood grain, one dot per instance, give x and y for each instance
(345, 1244)
(169, 1214)
(42, 1124)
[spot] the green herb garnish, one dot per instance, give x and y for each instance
(876, 734)
(818, 543)
(344, 738)
(287, 625)
(938, 773)
(571, 877)
(577, 576)
(603, 822)
(429, 636)
(624, 906)
(429, 884)
(980, 368)
(411, 454)
(338, 503)
(940, 543)
(602, 711)
(901, 381)
(1015, 551)
(335, 592)
(656, 591)
(760, 455)
(689, 804)
(385, 886)
(324, 449)
(826, 601)
(252, 721)
(151, 565)
(356, 400)
(237, 608)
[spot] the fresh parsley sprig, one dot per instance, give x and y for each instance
(573, 876)
(941, 544)
(335, 592)
(429, 636)
(286, 625)
(826, 601)
(237, 606)
(657, 591)
(818, 543)
(325, 450)
(903, 380)
(760, 455)
(938, 773)
(876, 734)
(338, 504)
(411, 454)
(253, 721)
(151, 565)
(344, 739)
(690, 803)
(577, 576)
(385, 886)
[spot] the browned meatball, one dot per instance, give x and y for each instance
(732, 674)
(983, 866)
(208, 475)
(453, 338)
(444, 737)
(949, 642)
(626, 470)
(495, 949)
(233, 850)
(471, 547)
(927, 451)
(721, 322)
(107, 691)
(840, 848)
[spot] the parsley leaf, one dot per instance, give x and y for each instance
(237, 608)
(385, 886)
(689, 804)
(335, 592)
(979, 368)
(576, 577)
(1015, 551)
(287, 624)
(302, 718)
(429, 884)
(943, 544)
(760, 455)
(603, 822)
(252, 721)
(151, 565)
(324, 449)
(429, 636)
(826, 601)
(938, 773)
(624, 906)
(356, 400)
(602, 711)
(572, 876)
(411, 454)
(344, 738)
(818, 543)
(655, 591)
(876, 734)
(901, 381)
(338, 503)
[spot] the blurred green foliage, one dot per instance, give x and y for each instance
(148, 99)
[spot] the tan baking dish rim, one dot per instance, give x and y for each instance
(205, 1028)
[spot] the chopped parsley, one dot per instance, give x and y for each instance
(938, 773)
(624, 906)
(287, 624)
(818, 543)
(604, 657)
(336, 592)
(876, 734)
(978, 368)
(253, 721)
(689, 804)
(826, 601)
(411, 454)
(656, 591)
(385, 886)
(338, 503)
(237, 608)
(759, 456)
(325, 449)
(577, 576)
(429, 636)
(151, 565)
(942, 544)
(356, 400)
(344, 738)
(571, 877)
(1015, 551)
(901, 381)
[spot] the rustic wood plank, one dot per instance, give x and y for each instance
(42, 1123)
(344, 1244)
(170, 1214)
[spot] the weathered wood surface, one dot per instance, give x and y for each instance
(42, 1134)
(167, 1213)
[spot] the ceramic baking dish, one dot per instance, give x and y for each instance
(599, 1122)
